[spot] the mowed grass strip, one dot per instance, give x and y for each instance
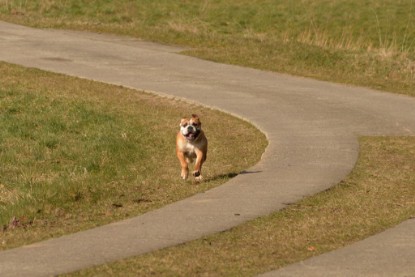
(379, 193)
(361, 42)
(76, 154)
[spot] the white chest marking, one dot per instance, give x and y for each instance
(189, 148)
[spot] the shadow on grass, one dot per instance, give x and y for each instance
(231, 175)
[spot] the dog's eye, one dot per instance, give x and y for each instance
(184, 125)
(195, 124)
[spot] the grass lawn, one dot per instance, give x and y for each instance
(360, 42)
(77, 154)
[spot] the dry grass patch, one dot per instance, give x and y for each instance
(360, 42)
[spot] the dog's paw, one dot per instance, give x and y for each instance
(184, 174)
(197, 175)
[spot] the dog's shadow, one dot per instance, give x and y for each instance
(230, 175)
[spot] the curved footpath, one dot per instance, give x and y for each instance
(312, 128)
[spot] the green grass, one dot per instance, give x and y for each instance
(77, 153)
(361, 42)
(368, 43)
(378, 193)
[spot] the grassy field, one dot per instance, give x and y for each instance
(379, 193)
(360, 42)
(77, 153)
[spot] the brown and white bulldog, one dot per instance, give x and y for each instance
(191, 144)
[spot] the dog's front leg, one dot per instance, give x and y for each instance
(183, 163)
(200, 158)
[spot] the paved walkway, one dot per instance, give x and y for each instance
(312, 128)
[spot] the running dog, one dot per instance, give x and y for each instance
(191, 144)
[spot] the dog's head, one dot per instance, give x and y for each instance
(191, 128)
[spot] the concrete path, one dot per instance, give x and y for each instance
(312, 127)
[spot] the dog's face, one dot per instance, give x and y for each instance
(190, 128)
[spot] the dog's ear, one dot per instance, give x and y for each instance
(195, 118)
(183, 121)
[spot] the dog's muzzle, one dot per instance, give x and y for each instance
(190, 132)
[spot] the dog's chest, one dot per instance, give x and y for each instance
(189, 149)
